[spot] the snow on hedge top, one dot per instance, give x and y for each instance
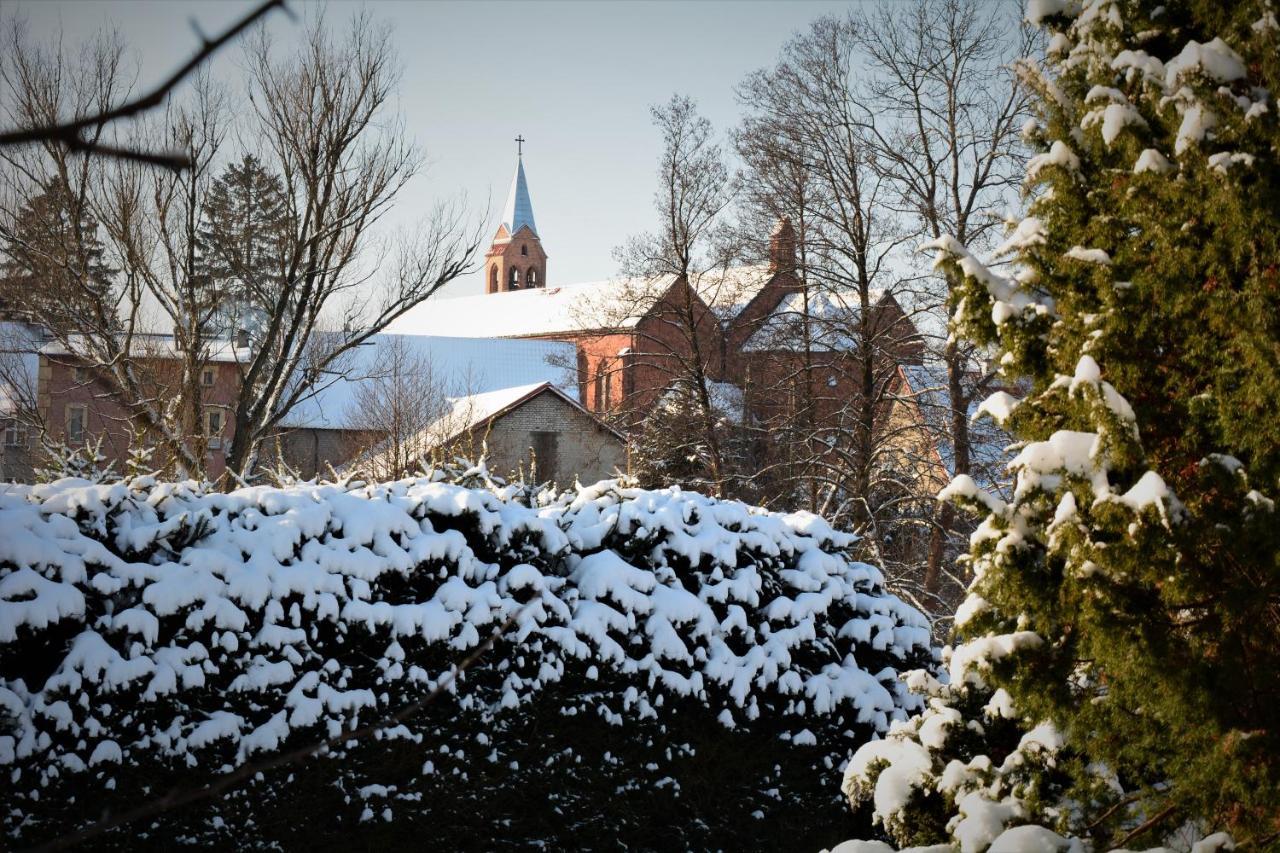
(180, 621)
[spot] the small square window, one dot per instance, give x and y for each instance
(207, 377)
(15, 435)
(80, 375)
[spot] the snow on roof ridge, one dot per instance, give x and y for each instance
(568, 307)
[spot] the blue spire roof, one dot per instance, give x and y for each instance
(519, 209)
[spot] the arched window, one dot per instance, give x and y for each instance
(531, 278)
(514, 279)
(493, 277)
(601, 389)
(524, 248)
(604, 387)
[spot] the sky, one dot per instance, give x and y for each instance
(575, 79)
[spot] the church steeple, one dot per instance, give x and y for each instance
(519, 210)
(516, 260)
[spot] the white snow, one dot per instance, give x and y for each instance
(1224, 160)
(1032, 839)
(243, 599)
(1113, 119)
(1151, 160)
(1088, 256)
(1215, 60)
(999, 406)
(1196, 122)
(1059, 154)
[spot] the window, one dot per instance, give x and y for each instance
(14, 434)
(493, 277)
(76, 423)
(514, 279)
(602, 387)
(531, 278)
(80, 375)
(524, 248)
(206, 377)
(213, 422)
(546, 454)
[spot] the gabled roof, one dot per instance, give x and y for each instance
(614, 304)
(518, 212)
(145, 345)
(728, 291)
(833, 316)
(477, 410)
(460, 365)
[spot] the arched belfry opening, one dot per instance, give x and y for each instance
(516, 259)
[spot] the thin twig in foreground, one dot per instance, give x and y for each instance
(70, 134)
(178, 798)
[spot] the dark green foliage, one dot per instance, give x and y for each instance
(552, 740)
(53, 265)
(1161, 616)
(243, 236)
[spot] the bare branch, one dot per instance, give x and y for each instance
(72, 136)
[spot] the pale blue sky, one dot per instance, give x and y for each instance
(575, 78)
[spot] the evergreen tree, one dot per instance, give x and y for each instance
(242, 241)
(670, 448)
(54, 256)
(1129, 593)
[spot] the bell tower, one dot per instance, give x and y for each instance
(516, 260)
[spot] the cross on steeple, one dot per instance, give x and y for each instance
(520, 146)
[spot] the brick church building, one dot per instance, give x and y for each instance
(633, 337)
(613, 347)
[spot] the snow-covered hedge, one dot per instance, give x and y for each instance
(684, 665)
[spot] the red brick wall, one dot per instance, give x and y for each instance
(522, 252)
(61, 390)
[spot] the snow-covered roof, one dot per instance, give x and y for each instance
(988, 443)
(150, 345)
(832, 318)
(472, 410)
(536, 311)
(461, 365)
(613, 304)
(519, 209)
(727, 291)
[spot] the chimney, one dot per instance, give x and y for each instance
(782, 247)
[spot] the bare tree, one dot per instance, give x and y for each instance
(324, 122)
(327, 125)
(677, 273)
(400, 412)
(112, 240)
(946, 111)
(779, 191)
(835, 346)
